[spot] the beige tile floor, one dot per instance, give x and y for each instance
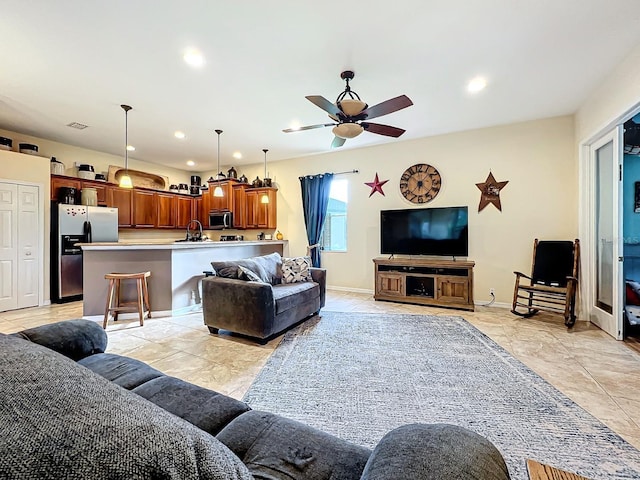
(594, 370)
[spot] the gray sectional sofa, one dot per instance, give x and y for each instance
(69, 410)
(263, 307)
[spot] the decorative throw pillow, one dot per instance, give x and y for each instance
(245, 273)
(296, 270)
(229, 269)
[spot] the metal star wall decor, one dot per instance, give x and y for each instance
(376, 185)
(490, 192)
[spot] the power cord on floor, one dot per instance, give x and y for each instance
(493, 299)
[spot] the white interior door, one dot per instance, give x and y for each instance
(20, 246)
(605, 258)
(28, 246)
(8, 246)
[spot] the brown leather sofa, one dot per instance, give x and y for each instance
(260, 308)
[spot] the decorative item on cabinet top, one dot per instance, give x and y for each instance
(139, 179)
(6, 143)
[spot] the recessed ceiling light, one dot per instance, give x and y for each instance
(191, 163)
(237, 155)
(477, 84)
(131, 148)
(179, 135)
(193, 57)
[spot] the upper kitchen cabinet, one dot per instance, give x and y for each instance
(122, 199)
(261, 215)
(144, 208)
(186, 210)
(166, 209)
(240, 205)
(224, 203)
(58, 181)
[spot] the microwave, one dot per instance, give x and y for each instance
(220, 220)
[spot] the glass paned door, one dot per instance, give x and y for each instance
(606, 292)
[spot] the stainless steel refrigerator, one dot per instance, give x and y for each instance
(72, 224)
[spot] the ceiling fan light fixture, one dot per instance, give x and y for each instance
(347, 130)
(351, 106)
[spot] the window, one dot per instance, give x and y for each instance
(334, 233)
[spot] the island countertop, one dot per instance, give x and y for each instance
(177, 269)
(175, 245)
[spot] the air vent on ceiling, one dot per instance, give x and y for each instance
(79, 126)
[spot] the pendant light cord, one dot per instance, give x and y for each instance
(218, 131)
(265, 150)
(126, 109)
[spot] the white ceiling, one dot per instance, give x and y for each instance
(76, 61)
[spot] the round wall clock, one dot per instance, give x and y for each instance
(420, 183)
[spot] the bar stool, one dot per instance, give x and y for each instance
(113, 296)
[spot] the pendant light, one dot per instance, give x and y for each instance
(217, 192)
(125, 180)
(265, 197)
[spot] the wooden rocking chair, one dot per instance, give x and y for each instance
(553, 283)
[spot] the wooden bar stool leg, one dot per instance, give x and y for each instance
(140, 301)
(107, 308)
(117, 300)
(145, 290)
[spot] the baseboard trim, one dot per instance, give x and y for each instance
(349, 289)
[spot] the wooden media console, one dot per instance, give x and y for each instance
(428, 281)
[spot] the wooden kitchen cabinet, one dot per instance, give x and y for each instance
(122, 199)
(261, 215)
(224, 203)
(185, 208)
(166, 209)
(240, 205)
(144, 209)
(58, 181)
(101, 190)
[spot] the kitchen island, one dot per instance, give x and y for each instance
(176, 270)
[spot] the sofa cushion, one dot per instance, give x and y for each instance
(288, 295)
(59, 420)
(275, 447)
(124, 371)
(296, 269)
(245, 273)
(208, 410)
(72, 338)
(267, 267)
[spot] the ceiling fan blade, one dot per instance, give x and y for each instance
(380, 129)
(384, 108)
(337, 142)
(308, 127)
(324, 104)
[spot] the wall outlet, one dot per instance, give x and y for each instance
(492, 292)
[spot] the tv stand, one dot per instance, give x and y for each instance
(425, 281)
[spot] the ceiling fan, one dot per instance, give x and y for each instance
(351, 114)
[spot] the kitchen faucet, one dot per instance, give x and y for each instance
(196, 237)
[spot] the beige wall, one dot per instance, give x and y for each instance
(69, 155)
(617, 96)
(537, 158)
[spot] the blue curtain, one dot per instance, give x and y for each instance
(315, 198)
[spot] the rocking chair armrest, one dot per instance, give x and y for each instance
(572, 279)
(520, 274)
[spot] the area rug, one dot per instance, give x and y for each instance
(359, 375)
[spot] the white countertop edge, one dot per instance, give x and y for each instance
(172, 245)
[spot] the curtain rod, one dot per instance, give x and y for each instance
(349, 171)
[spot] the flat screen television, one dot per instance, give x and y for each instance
(440, 231)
